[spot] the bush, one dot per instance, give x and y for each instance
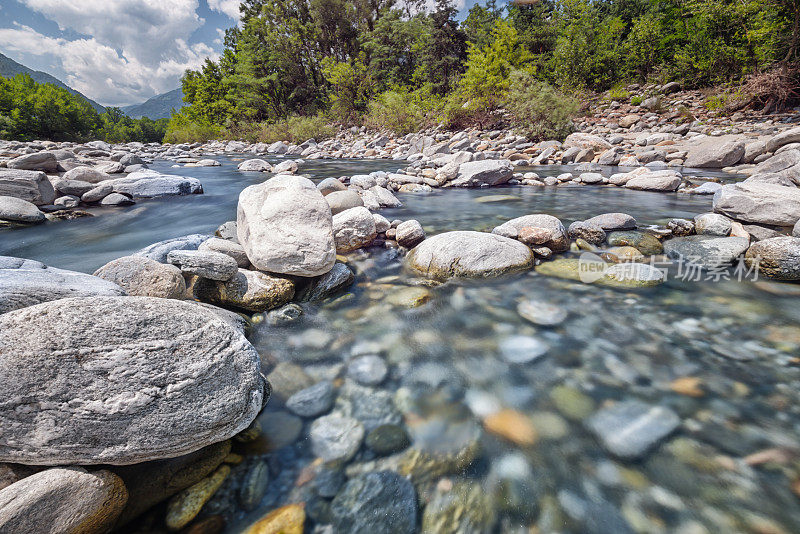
(636, 100)
(543, 113)
(181, 129)
(395, 111)
(296, 129)
(618, 92)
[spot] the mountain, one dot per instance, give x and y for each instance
(10, 68)
(158, 107)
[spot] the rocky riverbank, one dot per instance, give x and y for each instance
(136, 398)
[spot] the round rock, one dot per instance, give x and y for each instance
(144, 277)
(376, 503)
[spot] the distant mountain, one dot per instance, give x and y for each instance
(10, 68)
(158, 107)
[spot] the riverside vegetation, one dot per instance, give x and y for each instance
(391, 330)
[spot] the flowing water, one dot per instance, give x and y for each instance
(723, 355)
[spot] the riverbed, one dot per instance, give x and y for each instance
(721, 353)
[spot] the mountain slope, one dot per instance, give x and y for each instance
(158, 107)
(10, 68)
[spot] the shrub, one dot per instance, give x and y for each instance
(543, 112)
(181, 129)
(295, 129)
(395, 111)
(636, 100)
(618, 92)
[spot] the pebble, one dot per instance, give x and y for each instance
(336, 437)
(522, 349)
(369, 370)
(254, 486)
(381, 502)
(289, 519)
(185, 506)
(631, 428)
(513, 426)
(312, 401)
(388, 439)
(542, 313)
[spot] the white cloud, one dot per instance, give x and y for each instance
(100, 72)
(228, 7)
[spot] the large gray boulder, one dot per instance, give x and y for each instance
(784, 138)
(485, 172)
(122, 380)
(760, 203)
(144, 277)
(666, 180)
(557, 239)
(353, 228)
(787, 164)
(18, 210)
(32, 186)
(715, 154)
(285, 226)
(55, 501)
(26, 283)
(255, 165)
(38, 161)
(586, 141)
(86, 174)
(776, 257)
(343, 200)
(706, 251)
(469, 255)
(151, 184)
(246, 290)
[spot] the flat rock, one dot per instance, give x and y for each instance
(32, 186)
(228, 247)
(715, 154)
(483, 173)
(26, 283)
(631, 428)
(329, 284)
(469, 254)
(38, 161)
(158, 251)
(556, 240)
(759, 203)
(151, 184)
(613, 221)
(18, 210)
(666, 180)
(122, 380)
(61, 500)
(86, 174)
(204, 263)
(285, 226)
(144, 277)
(706, 251)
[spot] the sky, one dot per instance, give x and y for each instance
(117, 52)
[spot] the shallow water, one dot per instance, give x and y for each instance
(736, 343)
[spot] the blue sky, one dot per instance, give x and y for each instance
(116, 52)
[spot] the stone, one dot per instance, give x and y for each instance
(134, 364)
(469, 254)
(353, 228)
(18, 210)
(591, 178)
(330, 185)
(343, 200)
(185, 506)
(32, 186)
(116, 199)
(706, 251)
(777, 257)
(465, 507)
(512, 426)
(385, 197)
(289, 519)
(759, 203)
(227, 247)
(38, 161)
(369, 370)
(72, 187)
(409, 297)
(151, 184)
(287, 166)
(533, 236)
(612, 221)
(158, 251)
(542, 313)
(388, 439)
(285, 226)
(204, 263)
(381, 502)
(632, 275)
(715, 154)
(336, 437)
(522, 349)
(483, 173)
(644, 242)
(712, 224)
(784, 138)
(667, 180)
(62, 500)
(97, 193)
(591, 233)
(681, 227)
(558, 240)
(254, 486)
(382, 224)
(247, 290)
(254, 165)
(25, 283)
(409, 233)
(312, 401)
(86, 174)
(150, 483)
(706, 188)
(631, 428)
(329, 284)
(586, 141)
(571, 402)
(144, 277)
(67, 201)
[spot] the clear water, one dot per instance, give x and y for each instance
(739, 342)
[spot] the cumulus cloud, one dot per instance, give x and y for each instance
(133, 49)
(100, 72)
(228, 7)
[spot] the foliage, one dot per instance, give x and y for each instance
(636, 100)
(30, 110)
(397, 112)
(618, 92)
(296, 129)
(351, 87)
(541, 111)
(183, 129)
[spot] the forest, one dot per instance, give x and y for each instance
(293, 66)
